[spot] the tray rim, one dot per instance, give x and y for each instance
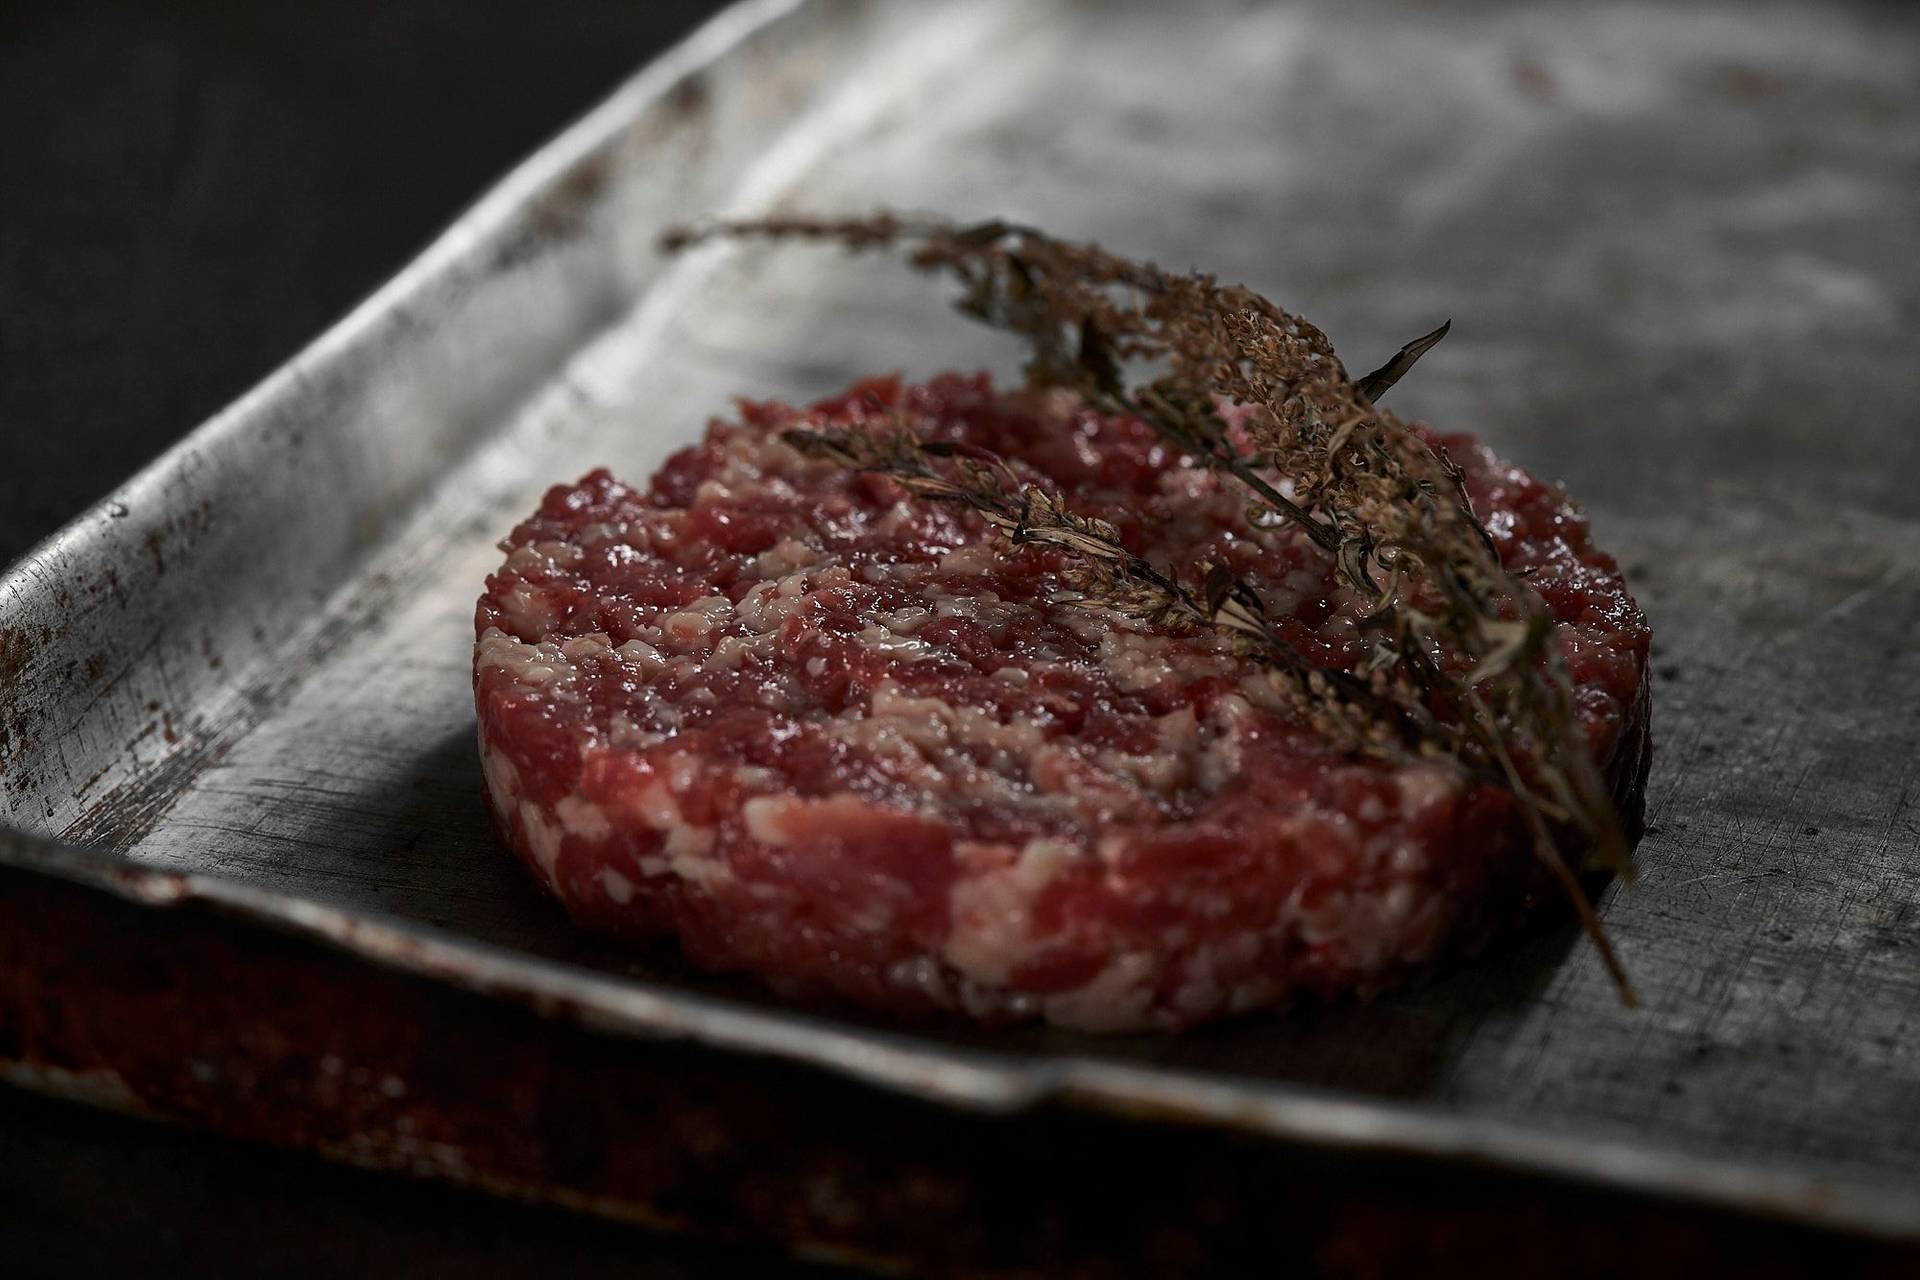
(493, 211)
(979, 1080)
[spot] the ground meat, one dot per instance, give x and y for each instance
(854, 744)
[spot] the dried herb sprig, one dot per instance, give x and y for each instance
(1456, 634)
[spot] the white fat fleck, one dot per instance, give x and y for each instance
(1178, 731)
(989, 933)
(642, 655)
(765, 818)
(603, 533)
(652, 721)
(658, 808)
(1169, 767)
(898, 520)
(783, 557)
(728, 654)
(529, 608)
(543, 839)
(1092, 624)
(582, 647)
(690, 628)
(766, 605)
(1139, 660)
(906, 622)
(880, 640)
(689, 851)
(1229, 721)
(1188, 483)
(949, 606)
(582, 818)
(535, 664)
(1398, 903)
(542, 556)
(990, 913)
(783, 819)
(1116, 999)
(1406, 858)
(977, 557)
(954, 750)
(686, 848)
(1265, 690)
(1217, 976)
(1042, 861)
(1155, 772)
(985, 608)
(1423, 787)
(503, 779)
(909, 571)
(619, 888)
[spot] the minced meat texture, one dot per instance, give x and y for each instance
(856, 744)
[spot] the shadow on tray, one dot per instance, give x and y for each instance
(461, 879)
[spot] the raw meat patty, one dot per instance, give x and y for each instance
(854, 744)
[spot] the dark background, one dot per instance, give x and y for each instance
(189, 192)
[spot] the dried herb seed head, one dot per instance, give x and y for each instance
(1465, 666)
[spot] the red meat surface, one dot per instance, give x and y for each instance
(855, 744)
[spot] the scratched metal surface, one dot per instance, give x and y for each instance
(1681, 250)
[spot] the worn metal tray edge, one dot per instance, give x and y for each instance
(977, 1080)
(44, 625)
(444, 255)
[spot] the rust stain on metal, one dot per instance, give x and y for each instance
(180, 531)
(558, 214)
(16, 651)
(685, 117)
(690, 98)
(563, 209)
(1534, 81)
(1745, 83)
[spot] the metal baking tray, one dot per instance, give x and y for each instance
(246, 879)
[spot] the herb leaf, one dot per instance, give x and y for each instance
(1375, 384)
